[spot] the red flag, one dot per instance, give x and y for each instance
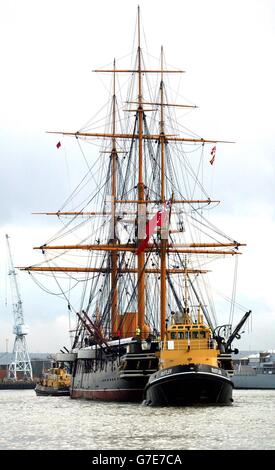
(156, 221)
(213, 153)
(58, 144)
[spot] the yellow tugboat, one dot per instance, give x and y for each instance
(55, 382)
(195, 364)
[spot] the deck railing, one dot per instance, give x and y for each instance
(182, 345)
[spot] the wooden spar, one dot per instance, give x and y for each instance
(130, 201)
(134, 110)
(180, 201)
(107, 134)
(163, 242)
(141, 255)
(114, 290)
(203, 141)
(206, 245)
(203, 252)
(139, 71)
(117, 151)
(84, 323)
(132, 247)
(165, 104)
(68, 269)
(72, 213)
(94, 330)
(143, 136)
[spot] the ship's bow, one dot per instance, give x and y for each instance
(189, 385)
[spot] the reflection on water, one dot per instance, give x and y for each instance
(31, 422)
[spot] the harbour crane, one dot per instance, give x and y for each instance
(21, 366)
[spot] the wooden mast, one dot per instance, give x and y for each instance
(141, 256)
(114, 255)
(163, 242)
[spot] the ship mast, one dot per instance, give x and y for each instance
(163, 242)
(114, 255)
(141, 255)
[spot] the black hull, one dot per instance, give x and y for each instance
(189, 385)
(108, 385)
(126, 394)
(41, 390)
(121, 379)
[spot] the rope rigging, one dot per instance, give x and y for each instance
(183, 181)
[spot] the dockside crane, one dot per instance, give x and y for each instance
(21, 366)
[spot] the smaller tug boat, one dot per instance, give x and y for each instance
(56, 381)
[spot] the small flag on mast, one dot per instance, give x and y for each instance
(58, 144)
(213, 154)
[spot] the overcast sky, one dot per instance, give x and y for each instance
(48, 51)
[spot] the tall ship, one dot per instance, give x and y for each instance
(131, 258)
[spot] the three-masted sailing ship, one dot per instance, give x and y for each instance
(145, 326)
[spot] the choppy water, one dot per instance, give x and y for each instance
(31, 422)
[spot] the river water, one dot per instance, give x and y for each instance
(31, 422)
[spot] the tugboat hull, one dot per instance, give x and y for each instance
(189, 385)
(42, 390)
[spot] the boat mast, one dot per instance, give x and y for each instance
(163, 242)
(141, 255)
(114, 255)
